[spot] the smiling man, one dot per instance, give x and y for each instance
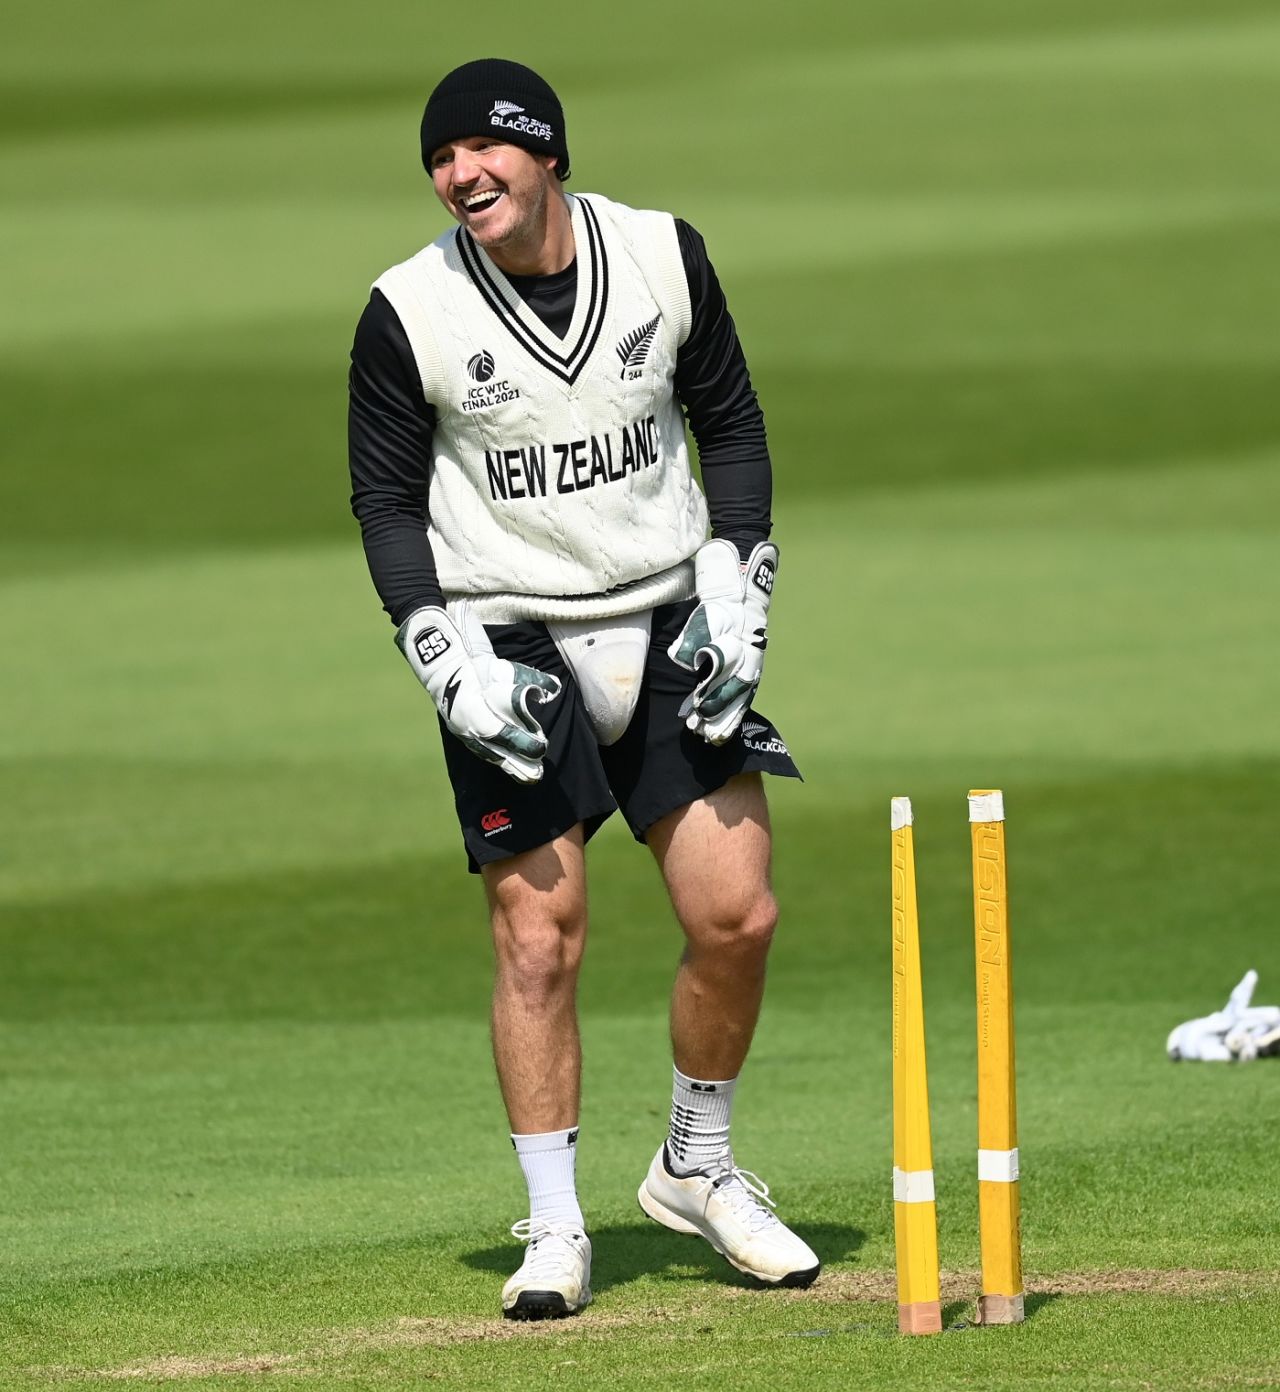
(534, 529)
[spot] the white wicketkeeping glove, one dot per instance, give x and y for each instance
(725, 638)
(482, 698)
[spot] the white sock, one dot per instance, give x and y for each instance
(700, 1111)
(547, 1159)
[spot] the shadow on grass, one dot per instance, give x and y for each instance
(625, 1253)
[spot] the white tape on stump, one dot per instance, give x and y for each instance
(986, 807)
(998, 1166)
(899, 813)
(912, 1186)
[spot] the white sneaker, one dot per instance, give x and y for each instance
(554, 1279)
(732, 1209)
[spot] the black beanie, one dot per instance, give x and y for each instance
(495, 97)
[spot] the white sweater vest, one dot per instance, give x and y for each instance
(560, 481)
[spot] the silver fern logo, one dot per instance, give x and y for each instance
(505, 108)
(634, 348)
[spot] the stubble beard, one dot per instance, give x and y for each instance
(525, 232)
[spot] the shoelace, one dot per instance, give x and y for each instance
(550, 1258)
(745, 1193)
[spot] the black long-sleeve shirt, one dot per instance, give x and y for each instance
(390, 427)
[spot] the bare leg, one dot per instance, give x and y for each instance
(714, 855)
(538, 912)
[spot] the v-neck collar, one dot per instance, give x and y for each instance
(562, 357)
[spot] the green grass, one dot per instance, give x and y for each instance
(1007, 281)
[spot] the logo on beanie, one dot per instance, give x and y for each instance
(513, 118)
(480, 368)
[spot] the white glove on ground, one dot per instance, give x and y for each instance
(1238, 1032)
(725, 637)
(482, 698)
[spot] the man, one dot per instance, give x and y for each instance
(533, 527)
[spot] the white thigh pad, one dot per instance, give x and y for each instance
(607, 659)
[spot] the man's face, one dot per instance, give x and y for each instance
(497, 192)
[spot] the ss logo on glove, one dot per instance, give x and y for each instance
(431, 644)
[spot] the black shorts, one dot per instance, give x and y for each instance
(657, 766)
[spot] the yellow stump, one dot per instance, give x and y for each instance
(915, 1219)
(998, 1199)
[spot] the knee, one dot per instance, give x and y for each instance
(742, 927)
(538, 947)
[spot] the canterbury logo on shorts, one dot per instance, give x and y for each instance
(495, 821)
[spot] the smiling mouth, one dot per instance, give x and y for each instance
(474, 203)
